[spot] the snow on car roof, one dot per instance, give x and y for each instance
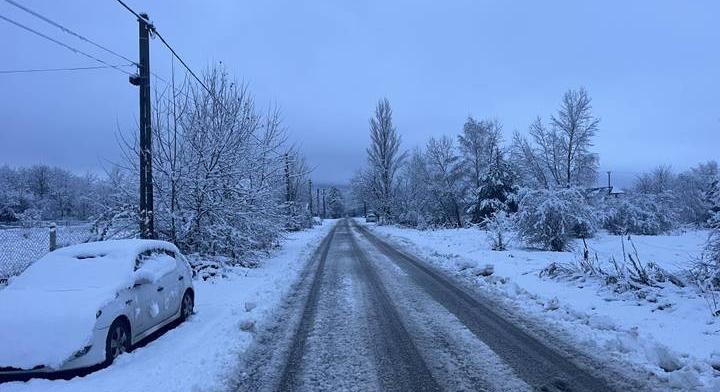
(93, 264)
(113, 249)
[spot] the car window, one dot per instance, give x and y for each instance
(154, 256)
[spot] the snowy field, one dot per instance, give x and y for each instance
(668, 330)
(199, 354)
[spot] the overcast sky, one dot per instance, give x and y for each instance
(651, 67)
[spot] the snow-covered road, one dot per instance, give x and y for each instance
(369, 317)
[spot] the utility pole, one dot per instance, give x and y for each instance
(310, 196)
(324, 211)
(609, 186)
(287, 178)
(142, 80)
(317, 193)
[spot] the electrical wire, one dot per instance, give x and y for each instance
(177, 56)
(181, 60)
(64, 45)
(131, 10)
(162, 39)
(33, 70)
(67, 30)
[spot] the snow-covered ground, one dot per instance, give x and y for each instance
(200, 353)
(670, 332)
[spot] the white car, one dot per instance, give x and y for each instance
(86, 304)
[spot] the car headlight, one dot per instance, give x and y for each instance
(98, 314)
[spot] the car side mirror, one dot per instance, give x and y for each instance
(141, 281)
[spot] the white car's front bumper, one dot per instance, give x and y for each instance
(94, 356)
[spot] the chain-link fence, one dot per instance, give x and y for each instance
(21, 246)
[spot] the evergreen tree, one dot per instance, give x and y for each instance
(497, 186)
(335, 203)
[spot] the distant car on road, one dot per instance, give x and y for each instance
(371, 218)
(86, 304)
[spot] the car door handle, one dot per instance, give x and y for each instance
(181, 277)
(161, 288)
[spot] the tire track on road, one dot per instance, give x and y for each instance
(537, 364)
(263, 365)
(399, 363)
(292, 367)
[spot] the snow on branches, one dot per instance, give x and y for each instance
(549, 218)
(225, 184)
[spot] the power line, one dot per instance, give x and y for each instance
(154, 30)
(159, 77)
(181, 61)
(67, 30)
(33, 70)
(64, 45)
(131, 10)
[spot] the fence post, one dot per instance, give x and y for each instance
(53, 237)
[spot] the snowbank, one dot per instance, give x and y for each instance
(668, 332)
(198, 354)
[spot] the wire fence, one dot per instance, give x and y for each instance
(22, 246)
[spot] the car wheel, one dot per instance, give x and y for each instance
(118, 340)
(186, 309)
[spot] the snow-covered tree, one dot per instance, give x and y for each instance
(296, 205)
(231, 203)
(659, 181)
(41, 192)
(476, 145)
(414, 196)
(549, 218)
(445, 181)
(497, 186)
(362, 189)
(713, 246)
(683, 197)
(221, 184)
(335, 203)
(706, 272)
(10, 192)
(170, 150)
(384, 160)
(636, 213)
(488, 177)
(559, 155)
(660, 187)
(694, 193)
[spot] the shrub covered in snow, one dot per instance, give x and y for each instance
(706, 272)
(713, 247)
(208, 268)
(297, 217)
(549, 218)
(498, 227)
(637, 213)
(687, 194)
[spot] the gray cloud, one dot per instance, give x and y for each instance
(648, 65)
